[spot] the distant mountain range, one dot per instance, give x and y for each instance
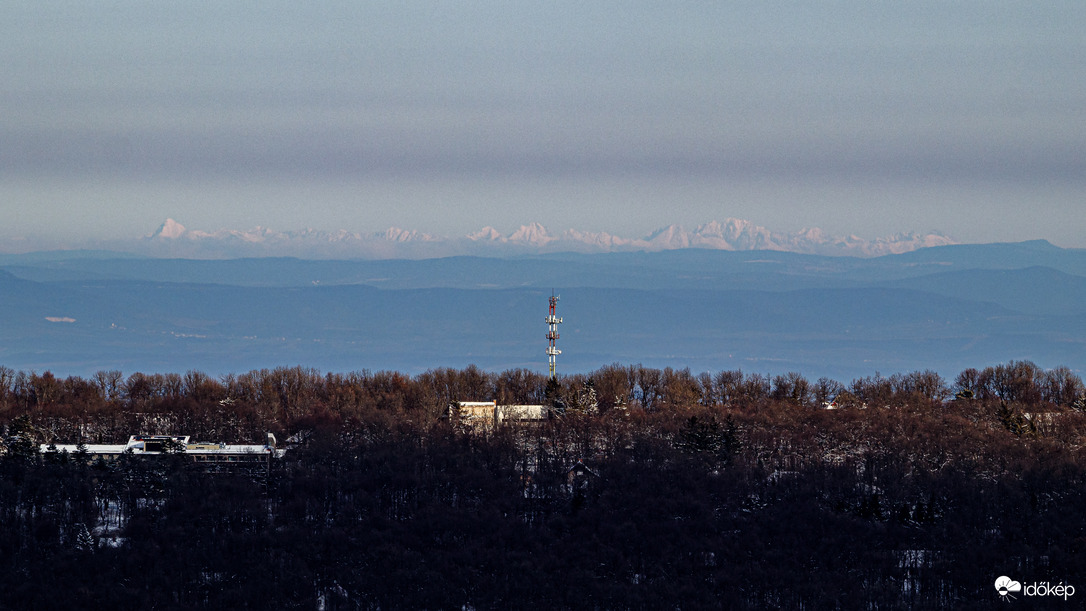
(173, 239)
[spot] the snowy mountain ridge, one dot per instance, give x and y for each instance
(731, 234)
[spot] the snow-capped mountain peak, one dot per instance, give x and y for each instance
(395, 234)
(669, 238)
(169, 230)
(486, 234)
(533, 233)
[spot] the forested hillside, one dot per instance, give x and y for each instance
(644, 489)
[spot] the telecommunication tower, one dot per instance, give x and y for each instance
(552, 333)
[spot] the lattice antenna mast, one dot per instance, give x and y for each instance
(552, 334)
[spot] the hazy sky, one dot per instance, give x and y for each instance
(858, 117)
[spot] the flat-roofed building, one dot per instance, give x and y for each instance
(158, 445)
(480, 415)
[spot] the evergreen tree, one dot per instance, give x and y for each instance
(84, 540)
(22, 439)
(1015, 422)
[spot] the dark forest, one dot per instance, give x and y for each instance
(643, 489)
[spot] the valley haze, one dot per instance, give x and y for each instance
(944, 308)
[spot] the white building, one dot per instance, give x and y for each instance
(158, 445)
(488, 414)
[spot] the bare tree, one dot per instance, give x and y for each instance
(1060, 386)
(109, 383)
(825, 389)
(729, 386)
(791, 387)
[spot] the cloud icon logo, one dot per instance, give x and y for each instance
(1005, 586)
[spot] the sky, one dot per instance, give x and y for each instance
(858, 117)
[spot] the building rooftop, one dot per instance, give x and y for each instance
(167, 444)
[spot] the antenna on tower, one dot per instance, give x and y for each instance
(552, 333)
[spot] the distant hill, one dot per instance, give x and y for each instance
(945, 308)
(1014, 255)
(1032, 290)
(685, 268)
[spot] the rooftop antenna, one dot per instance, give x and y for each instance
(552, 333)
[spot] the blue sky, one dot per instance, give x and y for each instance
(868, 118)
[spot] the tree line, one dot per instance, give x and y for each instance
(647, 489)
(108, 406)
